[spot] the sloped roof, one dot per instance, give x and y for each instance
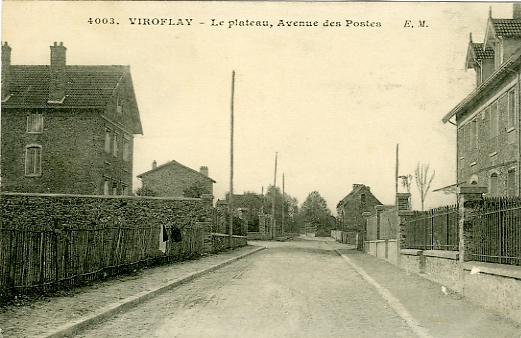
(86, 87)
(174, 163)
(507, 27)
(476, 52)
(355, 192)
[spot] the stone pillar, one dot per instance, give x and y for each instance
(366, 215)
(403, 208)
(262, 223)
(469, 199)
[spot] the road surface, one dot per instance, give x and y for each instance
(299, 288)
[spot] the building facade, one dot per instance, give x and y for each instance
(487, 120)
(350, 208)
(67, 129)
(172, 179)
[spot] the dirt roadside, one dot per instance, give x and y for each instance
(44, 315)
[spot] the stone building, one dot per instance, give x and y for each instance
(67, 129)
(172, 179)
(350, 208)
(487, 120)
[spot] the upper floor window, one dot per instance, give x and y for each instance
(126, 148)
(511, 183)
(119, 105)
(35, 123)
(108, 139)
(511, 109)
(33, 160)
(493, 120)
(115, 145)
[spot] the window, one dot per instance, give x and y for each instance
(114, 187)
(35, 123)
(125, 190)
(107, 140)
(115, 145)
(511, 183)
(106, 185)
(33, 160)
(511, 109)
(119, 105)
(493, 120)
(473, 134)
(126, 148)
(493, 185)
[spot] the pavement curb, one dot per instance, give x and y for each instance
(393, 302)
(130, 302)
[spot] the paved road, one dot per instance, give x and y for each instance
(292, 289)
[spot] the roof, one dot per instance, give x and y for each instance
(86, 87)
(477, 52)
(507, 27)
(491, 83)
(357, 189)
(174, 163)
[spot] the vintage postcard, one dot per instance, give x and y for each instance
(324, 100)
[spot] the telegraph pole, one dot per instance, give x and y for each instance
(230, 202)
(282, 224)
(273, 201)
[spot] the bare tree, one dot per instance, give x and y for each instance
(422, 181)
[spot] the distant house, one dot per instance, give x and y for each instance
(173, 179)
(67, 129)
(350, 208)
(487, 120)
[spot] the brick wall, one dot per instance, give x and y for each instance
(73, 159)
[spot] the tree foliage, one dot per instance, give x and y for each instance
(314, 210)
(145, 191)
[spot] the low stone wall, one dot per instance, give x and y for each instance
(382, 249)
(494, 286)
(221, 242)
(262, 236)
(410, 260)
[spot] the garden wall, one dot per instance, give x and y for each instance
(53, 241)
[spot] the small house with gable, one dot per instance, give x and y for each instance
(350, 208)
(174, 179)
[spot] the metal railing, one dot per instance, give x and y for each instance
(496, 231)
(436, 229)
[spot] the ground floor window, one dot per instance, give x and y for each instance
(33, 160)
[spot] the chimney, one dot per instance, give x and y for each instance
(204, 170)
(517, 11)
(6, 63)
(154, 164)
(58, 79)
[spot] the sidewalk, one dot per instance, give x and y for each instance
(433, 311)
(61, 315)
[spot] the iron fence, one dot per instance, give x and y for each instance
(496, 231)
(436, 229)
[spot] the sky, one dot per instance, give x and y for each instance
(332, 101)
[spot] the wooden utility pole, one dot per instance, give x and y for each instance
(273, 201)
(396, 172)
(282, 224)
(230, 202)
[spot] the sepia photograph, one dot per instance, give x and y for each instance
(260, 169)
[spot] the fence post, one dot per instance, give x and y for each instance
(403, 209)
(469, 198)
